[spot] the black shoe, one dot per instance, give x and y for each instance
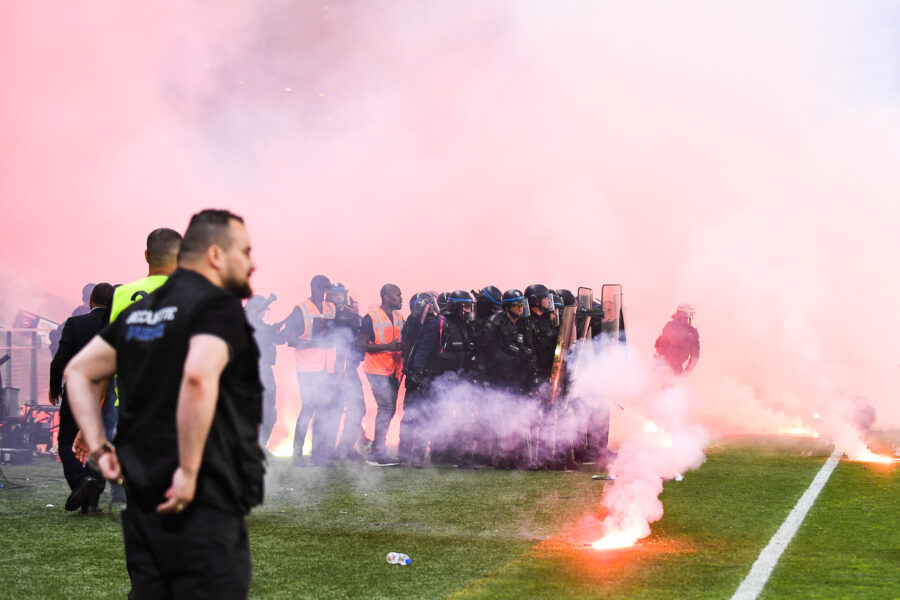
(88, 509)
(381, 461)
(84, 489)
(466, 464)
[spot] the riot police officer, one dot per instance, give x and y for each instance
(453, 363)
(544, 324)
(487, 302)
(347, 387)
(418, 369)
(506, 360)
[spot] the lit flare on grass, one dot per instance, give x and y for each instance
(867, 455)
(663, 440)
(615, 540)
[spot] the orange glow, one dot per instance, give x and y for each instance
(799, 432)
(285, 448)
(869, 456)
(664, 440)
(614, 540)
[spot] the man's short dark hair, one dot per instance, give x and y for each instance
(388, 288)
(102, 294)
(207, 227)
(162, 246)
(319, 282)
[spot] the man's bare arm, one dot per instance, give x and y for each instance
(206, 359)
(86, 377)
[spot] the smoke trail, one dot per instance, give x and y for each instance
(739, 157)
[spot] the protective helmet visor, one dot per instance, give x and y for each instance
(465, 308)
(519, 301)
(337, 296)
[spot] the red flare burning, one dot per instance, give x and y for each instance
(615, 540)
(867, 455)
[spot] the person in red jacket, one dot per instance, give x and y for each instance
(678, 346)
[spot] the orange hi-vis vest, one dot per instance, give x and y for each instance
(384, 363)
(314, 360)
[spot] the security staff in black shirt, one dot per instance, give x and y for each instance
(190, 403)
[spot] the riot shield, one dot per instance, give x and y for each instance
(613, 325)
(585, 299)
(566, 336)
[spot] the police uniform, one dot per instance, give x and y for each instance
(506, 361)
(545, 334)
(456, 362)
(506, 353)
(202, 552)
(347, 386)
(419, 370)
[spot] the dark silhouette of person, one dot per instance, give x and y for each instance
(267, 338)
(85, 483)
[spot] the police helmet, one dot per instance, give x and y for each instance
(515, 297)
(539, 295)
(334, 293)
(461, 303)
(567, 296)
(685, 311)
(491, 294)
(558, 303)
(421, 301)
(442, 301)
(412, 301)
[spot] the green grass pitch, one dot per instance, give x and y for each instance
(324, 533)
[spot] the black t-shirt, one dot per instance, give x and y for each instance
(151, 340)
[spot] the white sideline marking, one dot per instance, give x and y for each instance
(753, 584)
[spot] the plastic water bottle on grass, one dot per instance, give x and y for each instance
(398, 558)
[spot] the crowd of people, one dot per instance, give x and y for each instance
(454, 353)
(179, 373)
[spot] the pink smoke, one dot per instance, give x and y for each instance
(715, 154)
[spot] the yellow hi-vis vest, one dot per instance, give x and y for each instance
(129, 293)
(384, 363)
(314, 360)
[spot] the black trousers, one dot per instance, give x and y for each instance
(200, 553)
(316, 393)
(417, 416)
(269, 415)
(350, 396)
(72, 469)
